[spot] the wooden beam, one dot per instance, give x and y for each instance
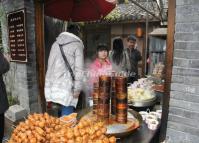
(169, 66)
(40, 50)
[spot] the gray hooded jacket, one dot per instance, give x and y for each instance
(58, 82)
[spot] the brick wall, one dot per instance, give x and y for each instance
(21, 80)
(183, 117)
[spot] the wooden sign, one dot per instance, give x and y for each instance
(17, 35)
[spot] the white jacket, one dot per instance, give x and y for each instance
(58, 82)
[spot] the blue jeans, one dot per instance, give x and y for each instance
(66, 110)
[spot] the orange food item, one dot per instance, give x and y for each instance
(112, 139)
(48, 129)
(69, 117)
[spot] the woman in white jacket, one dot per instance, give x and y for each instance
(59, 85)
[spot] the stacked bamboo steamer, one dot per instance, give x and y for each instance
(113, 95)
(104, 96)
(121, 99)
(95, 97)
(111, 89)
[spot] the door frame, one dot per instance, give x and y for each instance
(40, 50)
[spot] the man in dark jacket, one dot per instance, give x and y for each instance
(134, 57)
(4, 67)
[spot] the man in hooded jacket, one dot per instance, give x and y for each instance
(60, 87)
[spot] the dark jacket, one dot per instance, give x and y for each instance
(135, 57)
(4, 67)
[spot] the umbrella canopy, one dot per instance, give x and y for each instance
(78, 10)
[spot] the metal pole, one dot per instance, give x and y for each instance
(146, 48)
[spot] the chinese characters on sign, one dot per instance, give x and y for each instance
(17, 35)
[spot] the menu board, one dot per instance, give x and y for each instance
(17, 35)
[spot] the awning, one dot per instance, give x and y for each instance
(159, 32)
(78, 10)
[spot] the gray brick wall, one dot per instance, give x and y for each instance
(184, 96)
(21, 80)
(181, 137)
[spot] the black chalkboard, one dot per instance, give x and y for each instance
(17, 35)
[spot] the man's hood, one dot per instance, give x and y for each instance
(66, 37)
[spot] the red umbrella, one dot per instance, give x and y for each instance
(78, 10)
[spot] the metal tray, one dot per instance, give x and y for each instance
(120, 130)
(143, 103)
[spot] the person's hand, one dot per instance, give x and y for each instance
(76, 94)
(7, 56)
